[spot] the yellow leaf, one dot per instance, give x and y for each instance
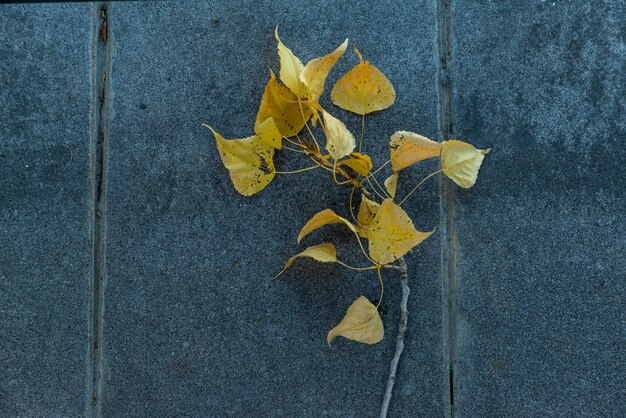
(325, 217)
(326, 253)
(391, 184)
(392, 234)
(279, 103)
(408, 148)
(460, 161)
(363, 90)
(290, 68)
(269, 134)
(367, 211)
(339, 140)
(315, 72)
(360, 163)
(361, 323)
(249, 162)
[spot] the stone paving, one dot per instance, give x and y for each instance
(134, 280)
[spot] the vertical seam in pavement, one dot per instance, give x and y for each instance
(448, 212)
(101, 69)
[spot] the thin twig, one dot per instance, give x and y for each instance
(404, 317)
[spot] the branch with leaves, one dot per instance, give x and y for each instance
(289, 118)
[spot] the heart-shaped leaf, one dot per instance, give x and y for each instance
(408, 148)
(339, 140)
(391, 233)
(249, 162)
(280, 104)
(461, 161)
(315, 71)
(360, 163)
(364, 89)
(325, 217)
(361, 323)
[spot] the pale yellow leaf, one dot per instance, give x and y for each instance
(363, 90)
(249, 162)
(392, 234)
(361, 323)
(461, 161)
(408, 148)
(279, 103)
(367, 211)
(360, 163)
(391, 184)
(326, 253)
(339, 140)
(315, 71)
(325, 217)
(290, 69)
(268, 133)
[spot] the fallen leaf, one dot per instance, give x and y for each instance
(367, 211)
(325, 217)
(315, 72)
(279, 103)
(268, 133)
(290, 69)
(249, 162)
(461, 161)
(339, 141)
(392, 234)
(360, 163)
(361, 323)
(363, 90)
(391, 184)
(408, 148)
(326, 253)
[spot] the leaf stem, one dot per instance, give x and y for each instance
(375, 190)
(298, 171)
(350, 204)
(379, 168)
(358, 238)
(418, 185)
(359, 268)
(362, 130)
(306, 123)
(381, 187)
(297, 144)
(335, 176)
(382, 287)
(294, 150)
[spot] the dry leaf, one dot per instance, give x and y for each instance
(367, 211)
(290, 69)
(391, 184)
(460, 161)
(363, 90)
(360, 163)
(361, 323)
(392, 234)
(249, 162)
(268, 133)
(279, 103)
(408, 148)
(315, 72)
(306, 81)
(339, 140)
(326, 253)
(325, 217)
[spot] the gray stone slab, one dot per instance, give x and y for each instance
(541, 236)
(193, 326)
(44, 209)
